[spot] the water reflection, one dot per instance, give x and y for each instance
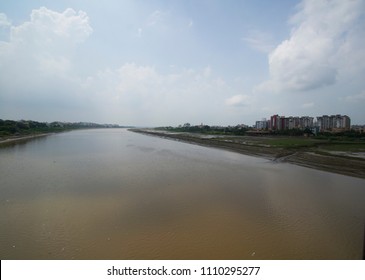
(113, 194)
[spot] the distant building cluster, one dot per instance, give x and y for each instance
(323, 123)
(334, 122)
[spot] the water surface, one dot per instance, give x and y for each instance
(114, 194)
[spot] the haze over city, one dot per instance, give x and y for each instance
(153, 63)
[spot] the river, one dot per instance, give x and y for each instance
(115, 194)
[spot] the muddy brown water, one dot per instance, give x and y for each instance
(115, 194)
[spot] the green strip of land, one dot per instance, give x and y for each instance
(17, 131)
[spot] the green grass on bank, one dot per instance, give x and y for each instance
(345, 147)
(291, 142)
(310, 143)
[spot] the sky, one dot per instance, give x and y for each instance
(157, 63)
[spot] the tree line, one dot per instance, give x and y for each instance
(25, 127)
(206, 129)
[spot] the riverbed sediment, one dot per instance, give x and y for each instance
(303, 156)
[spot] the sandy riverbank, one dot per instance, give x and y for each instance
(16, 139)
(308, 157)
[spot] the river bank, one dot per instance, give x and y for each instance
(22, 138)
(309, 153)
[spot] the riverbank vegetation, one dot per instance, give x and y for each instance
(11, 128)
(246, 130)
(206, 129)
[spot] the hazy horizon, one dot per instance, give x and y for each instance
(157, 63)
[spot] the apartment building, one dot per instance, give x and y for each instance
(262, 125)
(324, 123)
(282, 123)
(333, 122)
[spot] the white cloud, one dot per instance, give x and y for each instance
(37, 61)
(238, 100)
(143, 95)
(43, 70)
(47, 39)
(4, 22)
(311, 57)
(45, 80)
(49, 29)
(133, 78)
